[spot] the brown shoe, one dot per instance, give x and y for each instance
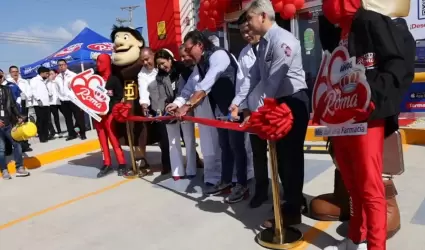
(393, 212)
(333, 206)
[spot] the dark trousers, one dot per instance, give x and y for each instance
(233, 152)
(24, 108)
(69, 110)
(259, 156)
(290, 152)
(164, 146)
(42, 122)
(54, 110)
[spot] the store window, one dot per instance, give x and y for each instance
(308, 33)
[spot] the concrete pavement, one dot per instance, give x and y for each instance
(63, 206)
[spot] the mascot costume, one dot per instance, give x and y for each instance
(126, 65)
(106, 128)
(370, 31)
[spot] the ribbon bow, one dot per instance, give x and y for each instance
(121, 111)
(272, 121)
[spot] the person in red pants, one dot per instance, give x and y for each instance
(106, 127)
(371, 36)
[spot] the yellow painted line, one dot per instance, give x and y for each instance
(313, 233)
(56, 155)
(63, 204)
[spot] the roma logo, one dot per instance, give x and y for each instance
(341, 90)
(89, 89)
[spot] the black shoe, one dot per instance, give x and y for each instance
(104, 171)
(51, 137)
(258, 200)
(83, 137)
(69, 138)
(165, 171)
(121, 170)
(26, 150)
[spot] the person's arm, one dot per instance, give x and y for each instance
(247, 84)
(13, 107)
(387, 80)
(283, 54)
(143, 89)
(218, 63)
(188, 88)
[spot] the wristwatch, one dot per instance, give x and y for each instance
(189, 103)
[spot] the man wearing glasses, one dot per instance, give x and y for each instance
(215, 76)
(69, 109)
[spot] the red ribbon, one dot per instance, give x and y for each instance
(271, 122)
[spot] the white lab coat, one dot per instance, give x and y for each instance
(40, 91)
(64, 81)
(25, 88)
(53, 88)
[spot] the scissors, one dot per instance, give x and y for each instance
(227, 118)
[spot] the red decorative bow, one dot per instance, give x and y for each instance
(121, 111)
(272, 121)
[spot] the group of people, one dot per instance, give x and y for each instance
(48, 94)
(209, 82)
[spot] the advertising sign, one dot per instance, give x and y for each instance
(416, 19)
(89, 94)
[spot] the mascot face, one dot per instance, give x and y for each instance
(127, 45)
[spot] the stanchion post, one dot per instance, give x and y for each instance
(278, 237)
(130, 94)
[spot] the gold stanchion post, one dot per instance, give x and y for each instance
(130, 94)
(278, 237)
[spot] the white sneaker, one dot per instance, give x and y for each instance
(347, 244)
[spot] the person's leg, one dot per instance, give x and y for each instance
(17, 153)
(24, 107)
(116, 146)
(38, 119)
(54, 109)
(45, 123)
(259, 153)
(79, 120)
(188, 129)
(67, 113)
(237, 145)
(3, 163)
(165, 149)
(102, 133)
(52, 131)
(176, 157)
(360, 159)
(227, 164)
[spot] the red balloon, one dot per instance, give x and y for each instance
(214, 4)
(298, 3)
(214, 14)
(206, 5)
(278, 7)
(200, 26)
(288, 11)
(212, 25)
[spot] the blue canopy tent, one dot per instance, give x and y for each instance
(80, 53)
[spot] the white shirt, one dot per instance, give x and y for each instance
(255, 99)
(64, 80)
(144, 79)
(40, 91)
(24, 86)
(53, 88)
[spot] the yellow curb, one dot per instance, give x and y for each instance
(37, 161)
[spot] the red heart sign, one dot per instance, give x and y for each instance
(341, 91)
(90, 91)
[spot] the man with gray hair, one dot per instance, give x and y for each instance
(279, 67)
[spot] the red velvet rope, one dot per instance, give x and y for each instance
(271, 122)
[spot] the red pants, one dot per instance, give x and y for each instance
(360, 162)
(105, 131)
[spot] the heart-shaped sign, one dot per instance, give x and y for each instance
(89, 89)
(341, 89)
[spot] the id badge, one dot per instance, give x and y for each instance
(2, 113)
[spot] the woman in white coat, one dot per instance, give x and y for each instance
(163, 93)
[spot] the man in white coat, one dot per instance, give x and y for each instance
(246, 60)
(41, 102)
